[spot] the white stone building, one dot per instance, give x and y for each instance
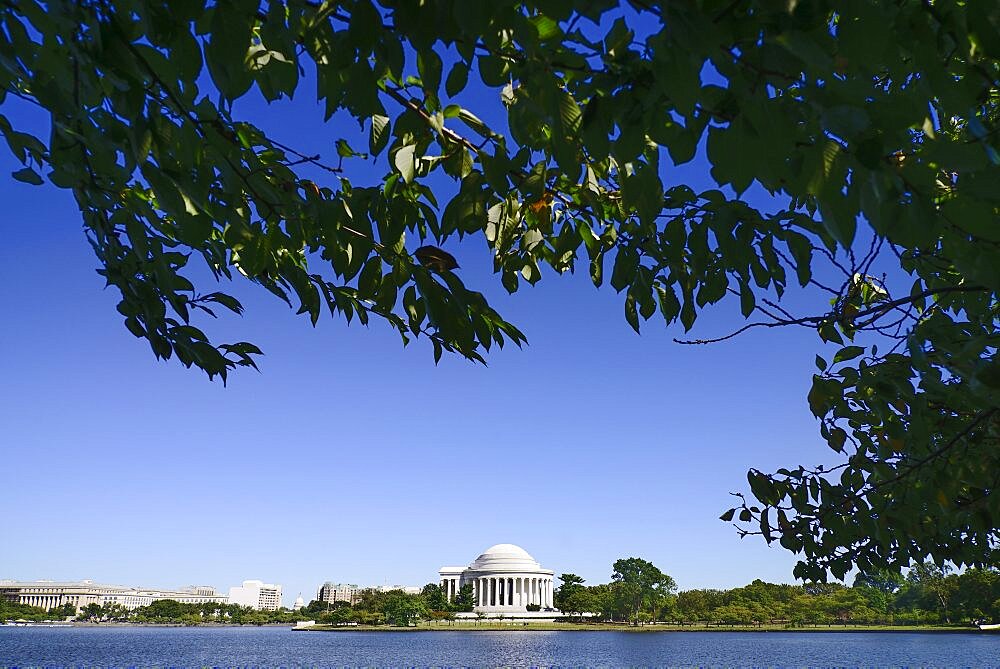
(505, 579)
(256, 594)
(50, 594)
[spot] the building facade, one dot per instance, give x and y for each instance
(50, 594)
(331, 592)
(256, 594)
(339, 592)
(505, 579)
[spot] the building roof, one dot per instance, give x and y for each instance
(505, 557)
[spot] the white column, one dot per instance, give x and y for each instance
(479, 591)
(551, 601)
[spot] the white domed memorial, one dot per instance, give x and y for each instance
(505, 580)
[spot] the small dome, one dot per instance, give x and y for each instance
(299, 602)
(505, 557)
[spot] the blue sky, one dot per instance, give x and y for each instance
(349, 458)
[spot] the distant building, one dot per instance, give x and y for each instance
(351, 593)
(256, 594)
(50, 594)
(339, 592)
(408, 589)
(299, 603)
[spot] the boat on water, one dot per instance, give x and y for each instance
(988, 627)
(28, 623)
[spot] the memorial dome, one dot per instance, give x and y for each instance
(505, 557)
(505, 579)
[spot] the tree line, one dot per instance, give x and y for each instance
(162, 611)
(638, 593)
(926, 595)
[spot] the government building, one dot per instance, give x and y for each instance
(50, 594)
(505, 580)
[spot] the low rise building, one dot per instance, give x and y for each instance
(50, 594)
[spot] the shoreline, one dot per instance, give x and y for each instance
(545, 627)
(644, 629)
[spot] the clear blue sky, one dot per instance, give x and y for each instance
(349, 458)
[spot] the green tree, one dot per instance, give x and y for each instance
(582, 600)
(931, 587)
(640, 585)
(570, 585)
(434, 597)
(401, 609)
(64, 611)
(879, 588)
(977, 593)
(871, 125)
(692, 606)
(91, 612)
(464, 600)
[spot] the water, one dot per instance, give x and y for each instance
(273, 646)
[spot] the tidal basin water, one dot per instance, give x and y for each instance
(273, 647)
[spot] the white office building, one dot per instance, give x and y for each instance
(50, 594)
(256, 594)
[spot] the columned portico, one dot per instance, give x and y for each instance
(505, 579)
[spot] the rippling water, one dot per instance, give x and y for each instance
(271, 647)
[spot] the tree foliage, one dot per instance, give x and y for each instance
(640, 587)
(968, 597)
(852, 143)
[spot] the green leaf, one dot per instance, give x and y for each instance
(848, 353)
(823, 395)
(546, 27)
(344, 149)
(631, 314)
(28, 176)
(227, 48)
(405, 162)
(728, 150)
(457, 78)
(429, 66)
(378, 138)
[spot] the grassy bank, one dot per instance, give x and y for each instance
(615, 627)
